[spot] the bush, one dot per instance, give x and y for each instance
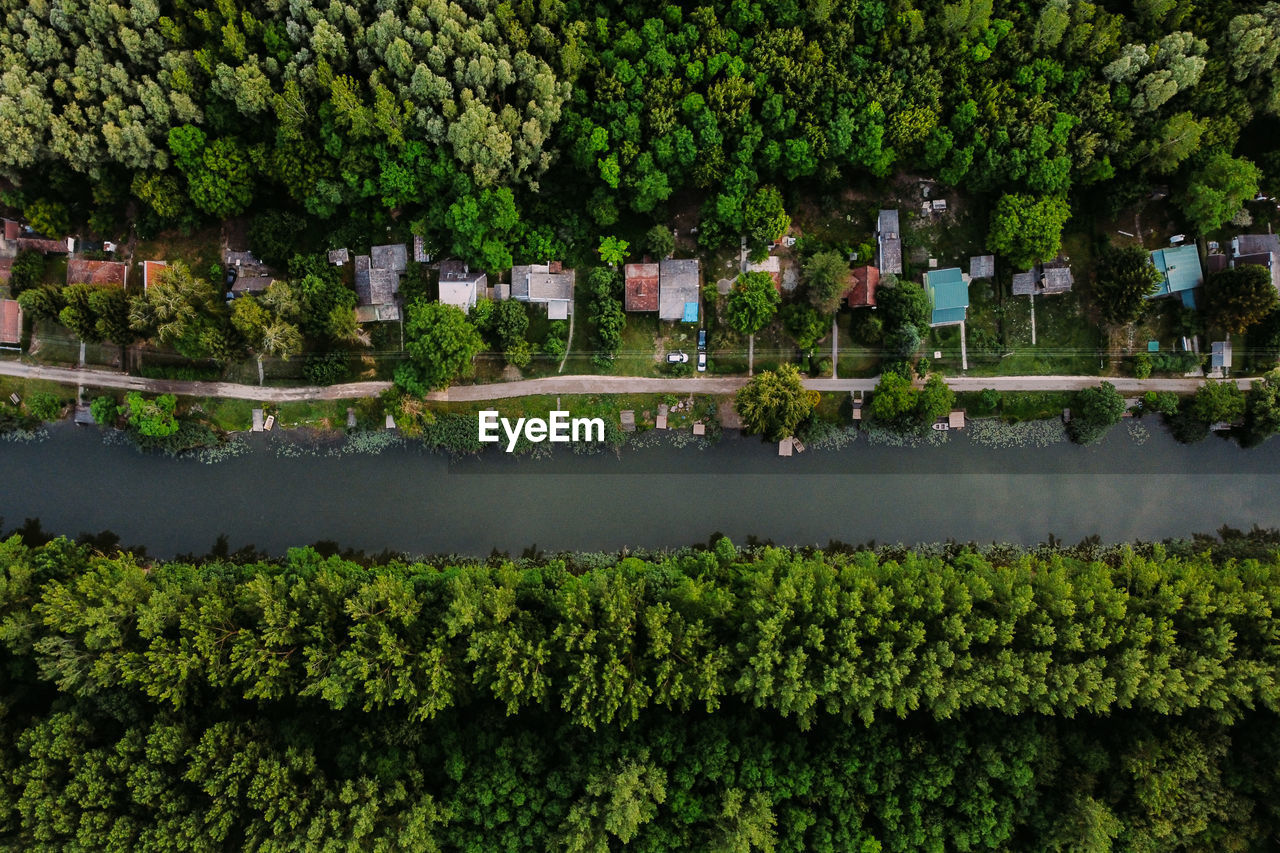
(44, 406)
(26, 271)
(1142, 365)
(454, 432)
(990, 399)
(105, 410)
(328, 369)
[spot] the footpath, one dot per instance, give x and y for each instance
(566, 385)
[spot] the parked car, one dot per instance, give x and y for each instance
(702, 362)
(677, 358)
(702, 340)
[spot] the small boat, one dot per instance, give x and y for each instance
(271, 421)
(941, 426)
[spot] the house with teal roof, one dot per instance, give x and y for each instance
(949, 294)
(1180, 273)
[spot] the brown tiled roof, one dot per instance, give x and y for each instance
(642, 287)
(10, 321)
(80, 271)
(865, 282)
(150, 271)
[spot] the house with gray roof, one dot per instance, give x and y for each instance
(394, 257)
(1262, 250)
(889, 243)
(679, 288)
(1044, 279)
(378, 280)
(544, 284)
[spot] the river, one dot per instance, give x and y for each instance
(421, 503)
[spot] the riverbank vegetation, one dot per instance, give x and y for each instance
(1084, 698)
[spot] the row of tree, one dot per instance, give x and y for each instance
(804, 636)
(501, 129)
(1086, 699)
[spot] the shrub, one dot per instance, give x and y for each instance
(328, 369)
(1142, 365)
(44, 406)
(104, 410)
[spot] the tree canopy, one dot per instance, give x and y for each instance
(752, 302)
(1125, 278)
(1239, 297)
(774, 403)
(441, 344)
(700, 699)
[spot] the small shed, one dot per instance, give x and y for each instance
(1220, 355)
(786, 446)
(338, 257)
(699, 428)
(982, 266)
(955, 420)
(628, 420)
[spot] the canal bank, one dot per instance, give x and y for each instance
(277, 494)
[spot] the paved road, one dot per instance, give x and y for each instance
(560, 385)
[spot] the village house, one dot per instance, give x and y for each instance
(679, 289)
(888, 243)
(948, 291)
(640, 287)
(863, 284)
(377, 277)
(81, 271)
(151, 271)
(460, 285)
(1261, 250)
(544, 284)
(1044, 279)
(1180, 273)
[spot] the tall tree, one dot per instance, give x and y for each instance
(1218, 191)
(1026, 229)
(1125, 278)
(441, 344)
(775, 403)
(1239, 297)
(826, 274)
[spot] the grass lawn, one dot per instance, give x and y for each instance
(226, 415)
(1016, 405)
(320, 414)
(856, 360)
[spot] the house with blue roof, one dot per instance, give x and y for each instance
(1180, 273)
(949, 294)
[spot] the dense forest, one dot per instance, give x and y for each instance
(706, 699)
(526, 130)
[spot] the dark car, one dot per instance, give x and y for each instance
(702, 340)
